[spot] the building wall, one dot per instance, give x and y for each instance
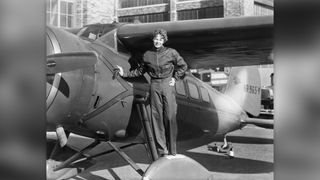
(192, 8)
(183, 5)
(169, 9)
(96, 11)
(232, 8)
(79, 13)
(248, 7)
(82, 12)
(132, 11)
(106, 11)
(199, 9)
(138, 3)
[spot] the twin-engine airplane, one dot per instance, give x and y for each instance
(86, 97)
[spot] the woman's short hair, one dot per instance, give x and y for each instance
(162, 32)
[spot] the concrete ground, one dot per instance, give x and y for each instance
(253, 149)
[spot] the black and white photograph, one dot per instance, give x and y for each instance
(159, 90)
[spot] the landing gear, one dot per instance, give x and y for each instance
(225, 143)
(76, 156)
(146, 126)
(127, 158)
(57, 169)
(225, 148)
(54, 161)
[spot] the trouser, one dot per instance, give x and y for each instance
(163, 115)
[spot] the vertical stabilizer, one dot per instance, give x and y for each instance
(244, 87)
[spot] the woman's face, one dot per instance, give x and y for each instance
(158, 41)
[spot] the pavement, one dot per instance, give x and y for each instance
(252, 146)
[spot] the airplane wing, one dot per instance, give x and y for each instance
(236, 41)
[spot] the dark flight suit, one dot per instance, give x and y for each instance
(162, 65)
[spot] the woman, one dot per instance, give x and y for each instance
(165, 66)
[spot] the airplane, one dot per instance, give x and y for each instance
(85, 96)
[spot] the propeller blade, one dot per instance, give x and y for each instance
(64, 62)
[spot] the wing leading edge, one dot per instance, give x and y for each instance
(215, 42)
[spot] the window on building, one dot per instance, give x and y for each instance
(146, 18)
(193, 90)
(202, 13)
(136, 3)
(60, 13)
(204, 94)
(180, 88)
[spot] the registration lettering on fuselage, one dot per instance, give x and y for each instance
(252, 89)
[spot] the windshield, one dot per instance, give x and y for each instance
(95, 31)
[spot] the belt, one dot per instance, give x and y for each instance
(161, 79)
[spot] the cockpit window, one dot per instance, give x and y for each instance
(106, 33)
(90, 32)
(180, 88)
(109, 39)
(95, 31)
(204, 94)
(193, 90)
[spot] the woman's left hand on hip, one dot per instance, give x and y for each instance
(172, 82)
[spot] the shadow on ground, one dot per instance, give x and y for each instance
(217, 163)
(220, 162)
(246, 140)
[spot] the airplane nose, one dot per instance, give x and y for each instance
(58, 101)
(68, 96)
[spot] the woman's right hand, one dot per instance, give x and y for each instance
(120, 70)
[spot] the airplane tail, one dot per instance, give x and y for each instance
(244, 87)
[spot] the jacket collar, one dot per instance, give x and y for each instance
(160, 50)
